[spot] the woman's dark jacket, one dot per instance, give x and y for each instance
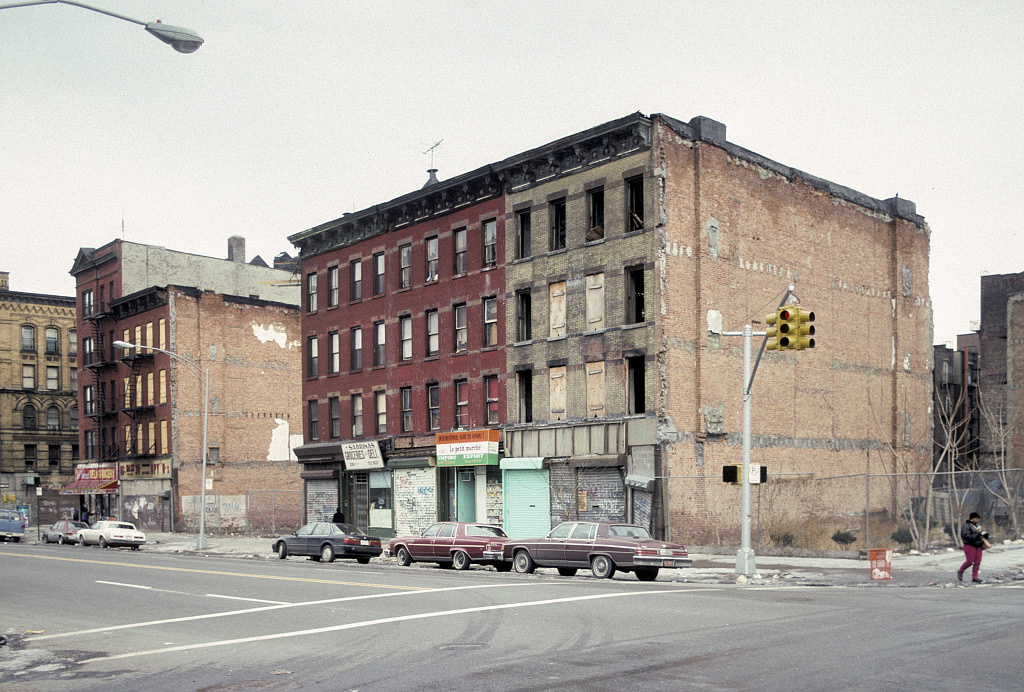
(971, 535)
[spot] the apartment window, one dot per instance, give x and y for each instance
(523, 234)
(311, 294)
(405, 331)
(490, 321)
(461, 403)
(405, 395)
(150, 392)
(87, 400)
(149, 334)
(357, 415)
(432, 259)
(378, 343)
(434, 406)
(556, 302)
(52, 340)
(405, 266)
(313, 356)
(556, 212)
(314, 419)
(634, 295)
(30, 457)
(161, 331)
(380, 406)
(28, 377)
(73, 376)
(635, 375)
(460, 251)
(164, 447)
(87, 304)
(556, 384)
(432, 333)
(90, 444)
(378, 274)
(53, 457)
(333, 352)
(524, 316)
(355, 280)
(334, 411)
(595, 302)
(635, 203)
(491, 402)
(333, 286)
(28, 338)
(595, 214)
(28, 418)
(490, 231)
(524, 388)
(87, 354)
(595, 389)
(73, 343)
(163, 388)
(461, 332)
(52, 377)
(356, 359)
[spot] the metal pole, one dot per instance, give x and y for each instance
(201, 540)
(745, 555)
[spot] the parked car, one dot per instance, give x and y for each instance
(64, 531)
(324, 540)
(455, 543)
(602, 546)
(108, 532)
(12, 525)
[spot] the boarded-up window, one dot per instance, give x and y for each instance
(556, 292)
(150, 393)
(595, 302)
(595, 390)
(161, 331)
(163, 387)
(164, 449)
(557, 380)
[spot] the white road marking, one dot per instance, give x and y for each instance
(383, 621)
(130, 586)
(242, 598)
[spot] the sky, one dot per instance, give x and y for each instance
(293, 113)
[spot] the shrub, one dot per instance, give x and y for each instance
(903, 537)
(783, 540)
(844, 538)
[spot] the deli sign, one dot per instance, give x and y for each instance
(467, 448)
(362, 455)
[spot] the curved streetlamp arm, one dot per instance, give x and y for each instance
(179, 38)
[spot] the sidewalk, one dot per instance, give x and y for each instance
(1003, 563)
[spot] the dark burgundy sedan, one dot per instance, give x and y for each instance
(602, 546)
(453, 543)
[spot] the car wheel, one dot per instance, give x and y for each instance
(567, 571)
(281, 549)
(135, 547)
(363, 560)
(60, 540)
(523, 563)
(403, 557)
(103, 542)
(646, 573)
(460, 560)
(327, 553)
(80, 542)
(602, 567)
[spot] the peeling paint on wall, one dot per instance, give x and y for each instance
(275, 333)
(281, 442)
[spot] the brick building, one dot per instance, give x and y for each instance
(233, 326)
(627, 251)
(38, 404)
(1002, 364)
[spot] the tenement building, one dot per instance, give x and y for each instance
(38, 407)
(628, 255)
(177, 349)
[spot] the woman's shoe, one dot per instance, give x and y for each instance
(976, 581)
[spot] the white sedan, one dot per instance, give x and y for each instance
(112, 533)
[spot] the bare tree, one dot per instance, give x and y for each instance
(952, 456)
(1002, 421)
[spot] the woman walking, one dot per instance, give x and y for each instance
(974, 542)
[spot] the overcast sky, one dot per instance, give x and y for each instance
(293, 113)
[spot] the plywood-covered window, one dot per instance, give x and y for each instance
(556, 300)
(595, 302)
(556, 378)
(595, 389)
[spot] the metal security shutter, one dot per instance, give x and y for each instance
(527, 502)
(321, 499)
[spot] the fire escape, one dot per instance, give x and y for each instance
(100, 363)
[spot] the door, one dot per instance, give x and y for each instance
(465, 495)
(422, 547)
(444, 541)
(551, 550)
(526, 502)
(580, 543)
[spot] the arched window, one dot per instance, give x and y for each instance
(28, 417)
(53, 418)
(52, 340)
(28, 338)
(74, 418)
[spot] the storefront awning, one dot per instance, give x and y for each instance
(319, 452)
(90, 486)
(410, 462)
(640, 482)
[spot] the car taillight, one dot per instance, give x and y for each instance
(661, 552)
(351, 541)
(375, 542)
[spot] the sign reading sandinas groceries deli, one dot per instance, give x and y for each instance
(467, 448)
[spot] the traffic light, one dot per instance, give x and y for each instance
(780, 328)
(803, 332)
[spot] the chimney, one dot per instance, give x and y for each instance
(432, 180)
(236, 249)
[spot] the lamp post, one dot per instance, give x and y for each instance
(204, 376)
(177, 37)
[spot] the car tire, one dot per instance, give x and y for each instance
(363, 560)
(281, 549)
(460, 560)
(602, 567)
(567, 571)
(60, 540)
(402, 556)
(135, 547)
(646, 573)
(523, 563)
(327, 553)
(103, 542)
(80, 542)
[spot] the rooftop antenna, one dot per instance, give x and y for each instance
(430, 151)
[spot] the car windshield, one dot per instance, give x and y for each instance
(628, 530)
(127, 527)
(78, 525)
(487, 531)
(346, 528)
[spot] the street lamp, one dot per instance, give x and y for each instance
(179, 38)
(204, 376)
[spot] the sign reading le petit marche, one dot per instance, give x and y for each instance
(467, 448)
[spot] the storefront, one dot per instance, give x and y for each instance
(468, 476)
(369, 488)
(97, 485)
